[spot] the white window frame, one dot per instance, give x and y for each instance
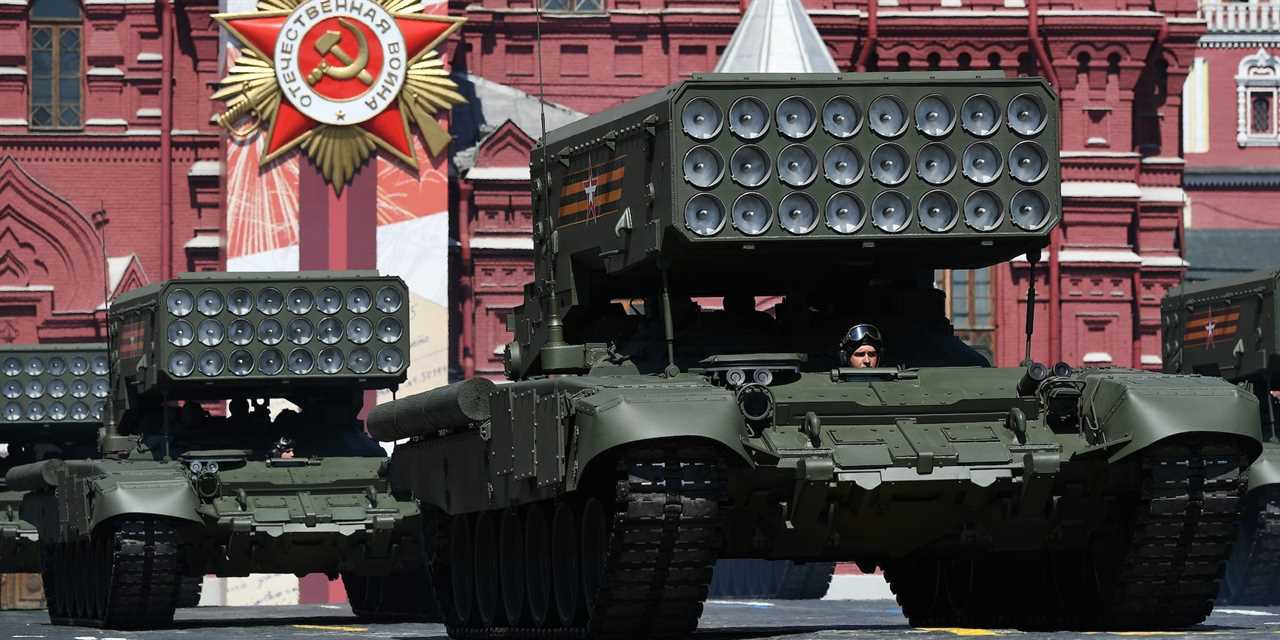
(1258, 73)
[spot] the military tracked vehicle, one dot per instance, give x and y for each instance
(1230, 327)
(643, 436)
(201, 474)
(54, 397)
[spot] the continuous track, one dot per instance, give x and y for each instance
(643, 568)
(1254, 568)
(127, 577)
(403, 596)
(1160, 570)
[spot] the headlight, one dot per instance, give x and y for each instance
(938, 211)
(749, 166)
(330, 360)
(270, 301)
(796, 117)
(180, 302)
(360, 361)
(389, 330)
(390, 360)
(982, 163)
(1027, 162)
(181, 364)
(58, 411)
(300, 361)
(359, 330)
(79, 411)
(329, 301)
(798, 213)
(703, 214)
(889, 164)
(13, 412)
(240, 333)
(211, 363)
(35, 411)
(329, 331)
(1029, 210)
(300, 331)
(841, 117)
(79, 365)
(748, 118)
(12, 366)
(299, 301)
(80, 388)
(35, 367)
(1026, 115)
(980, 115)
(359, 300)
(57, 366)
(982, 210)
(209, 302)
(270, 331)
(842, 165)
(703, 167)
(100, 365)
(57, 389)
(934, 116)
(239, 301)
(101, 388)
(887, 117)
(701, 119)
(844, 213)
(935, 164)
(797, 166)
(12, 389)
(389, 300)
(271, 362)
(35, 388)
(751, 214)
(890, 212)
(181, 333)
(241, 362)
(210, 332)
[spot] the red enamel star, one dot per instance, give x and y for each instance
(289, 127)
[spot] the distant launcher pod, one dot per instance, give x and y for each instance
(443, 409)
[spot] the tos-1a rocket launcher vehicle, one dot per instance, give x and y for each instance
(202, 475)
(593, 493)
(1230, 327)
(54, 397)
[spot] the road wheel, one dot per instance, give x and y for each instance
(595, 549)
(537, 565)
(565, 575)
(487, 570)
(512, 560)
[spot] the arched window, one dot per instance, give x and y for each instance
(1257, 83)
(56, 65)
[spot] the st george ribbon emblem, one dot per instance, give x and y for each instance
(338, 78)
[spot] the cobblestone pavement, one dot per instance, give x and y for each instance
(723, 620)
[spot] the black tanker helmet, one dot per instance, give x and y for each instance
(858, 335)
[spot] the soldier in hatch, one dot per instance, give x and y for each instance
(861, 346)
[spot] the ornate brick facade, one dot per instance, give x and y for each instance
(83, 207)
(1118, 64)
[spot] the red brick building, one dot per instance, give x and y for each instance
(1119, 65)
(109, 172)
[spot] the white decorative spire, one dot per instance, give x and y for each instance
(776, 36)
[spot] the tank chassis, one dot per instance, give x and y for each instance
(201, 474)
(1229, 327)
(630, 451)
(53, 398)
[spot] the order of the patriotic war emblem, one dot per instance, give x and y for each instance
(338, 78)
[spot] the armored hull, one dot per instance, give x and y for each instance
(19, 541)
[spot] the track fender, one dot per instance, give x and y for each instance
(168, 498)
(1265, 471)
(613, 418)
(1132, 411)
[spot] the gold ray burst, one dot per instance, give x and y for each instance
(250, 91)
(338, 151)
(428, 89)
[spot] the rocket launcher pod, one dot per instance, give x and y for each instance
(52, 392)
(449, 408)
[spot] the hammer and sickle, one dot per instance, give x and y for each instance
(352, 67)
